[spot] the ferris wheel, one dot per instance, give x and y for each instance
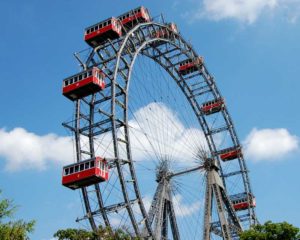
(156, 149)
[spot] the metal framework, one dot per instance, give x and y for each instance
(107, 112)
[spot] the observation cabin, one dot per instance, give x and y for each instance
(98, 33)
(190, 65)
(85, 173)
(134, 17)
(83, 84)
(213, 106)
(240, 201)
(230, 153)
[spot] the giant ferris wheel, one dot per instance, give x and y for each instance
(156, 149)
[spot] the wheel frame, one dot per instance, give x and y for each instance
(121, 59)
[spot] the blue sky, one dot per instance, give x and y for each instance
(252, 49)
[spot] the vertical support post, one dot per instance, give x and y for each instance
(207, 211)
(165, 221)
(159, 213)
(221, 213)
(77, 134)
(92, 152)
(173, 222)
(78, 158)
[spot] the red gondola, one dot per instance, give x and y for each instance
(240, 201)
(83, 84)
(230, 153)
(85, 173)
(133, 17)
(190, 65)
(213, 106)
(100, 32)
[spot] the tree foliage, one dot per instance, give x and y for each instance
(102, 233)
(272, 231)
(9, 229)
(73, 234)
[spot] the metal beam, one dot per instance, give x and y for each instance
(172, 217)
(186, 171)
(112, 208)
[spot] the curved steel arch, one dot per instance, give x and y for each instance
(117, 60)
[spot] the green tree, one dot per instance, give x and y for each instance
(74, 234)
(12, 230)
(272, 231)
(102, 233)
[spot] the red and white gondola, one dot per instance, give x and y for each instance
(83, 84)
(135, 16)
(213, 106)
(242, 201)
(190, 65)
(230, 153)
(85, 173)
(97, 34)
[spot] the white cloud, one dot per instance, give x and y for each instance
(25, 150)
(156, 132)
(154, 123)
(270, 144)
(157, 129)
(247, 11)
(243, 10)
